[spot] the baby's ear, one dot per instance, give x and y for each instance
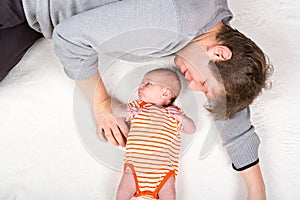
(166, 94)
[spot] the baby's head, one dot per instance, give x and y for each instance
(160, 86)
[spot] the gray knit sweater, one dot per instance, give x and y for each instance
(136, 29)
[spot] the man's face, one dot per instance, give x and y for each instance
(196, 80)
(194, 63)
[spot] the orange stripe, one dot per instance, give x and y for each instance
(146, 130)
(135, 139)
(144, 124)
(143, 117)
(151, 131)
(146, 184)
(149, 168)
(150, 135)
(132, 143)
(154, 130)
(150, 164)
(150, 159)
(171, 173)
(165, 133)
(146, 177)
(136, 150)
(146, 143)
(150, 155)
(149, 150)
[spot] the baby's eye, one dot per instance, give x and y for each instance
(148, 83)
(145, 84)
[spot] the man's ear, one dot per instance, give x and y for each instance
(219, 53)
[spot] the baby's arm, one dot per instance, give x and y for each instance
(188, 125)
(120, 110)
(127, 111)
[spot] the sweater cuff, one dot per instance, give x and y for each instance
(80, 74)
(245, 153)
(245, 167)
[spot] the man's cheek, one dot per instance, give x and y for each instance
(194, 86)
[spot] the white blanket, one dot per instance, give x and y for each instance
(45, 153)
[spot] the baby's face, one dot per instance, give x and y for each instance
(152, 88)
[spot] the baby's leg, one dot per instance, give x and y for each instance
(127, 186)
(167, 191)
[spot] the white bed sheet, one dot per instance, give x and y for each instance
(43, 154)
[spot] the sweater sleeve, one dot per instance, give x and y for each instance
(240, 140)
(116, 29)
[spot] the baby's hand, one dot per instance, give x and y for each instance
(175, 113)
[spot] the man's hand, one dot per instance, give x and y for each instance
(109, 127)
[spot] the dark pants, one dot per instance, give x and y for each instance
(15, 35)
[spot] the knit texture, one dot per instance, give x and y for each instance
(134, 29)
(240, 139)
(83, 29)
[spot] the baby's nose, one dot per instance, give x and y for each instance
(141, 86)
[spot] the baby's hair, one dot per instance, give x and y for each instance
(172, 70)
(174, 83)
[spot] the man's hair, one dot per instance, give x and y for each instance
(245, 74)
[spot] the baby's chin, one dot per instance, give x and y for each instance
(142, 98)
(145, 99)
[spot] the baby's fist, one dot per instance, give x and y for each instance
(175, 113)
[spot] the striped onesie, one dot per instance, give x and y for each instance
(152, 149)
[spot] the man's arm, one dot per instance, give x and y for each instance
(242, 143)
(253, 180)
(114, 128)
(119, 27)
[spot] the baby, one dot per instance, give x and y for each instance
(153, 144)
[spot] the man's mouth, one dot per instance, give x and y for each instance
(187, 78)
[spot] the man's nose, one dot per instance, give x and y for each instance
(183, 70)
(187, 75)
